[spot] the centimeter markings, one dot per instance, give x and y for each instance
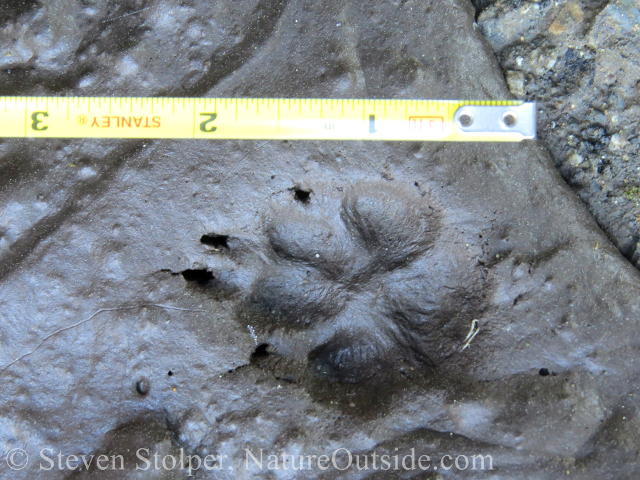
(248, 118)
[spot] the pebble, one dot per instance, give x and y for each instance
(515, 81)
(143, 386)
(576, 159)
(617, 142)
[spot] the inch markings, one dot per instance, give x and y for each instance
(266, 118)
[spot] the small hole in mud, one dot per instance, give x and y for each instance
(260, 352)
(170, 373)
(544, 372)
(214, 240)
(201, 276)
(300, 195)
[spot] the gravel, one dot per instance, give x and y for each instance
(580, 61)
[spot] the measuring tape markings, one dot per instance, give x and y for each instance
(266, 118)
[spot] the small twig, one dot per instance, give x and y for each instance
(69, 327)
(125, 15)
(375, 299)
(472, 334)
(253, 334)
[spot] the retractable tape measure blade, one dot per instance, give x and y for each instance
(267, 118)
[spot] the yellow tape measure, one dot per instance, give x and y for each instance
(266, 118)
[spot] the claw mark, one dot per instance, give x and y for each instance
(472, 334)
(81, 322)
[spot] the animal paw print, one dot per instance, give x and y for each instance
(358, 286)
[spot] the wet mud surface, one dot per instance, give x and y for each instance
(208, 297)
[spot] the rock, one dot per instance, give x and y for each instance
(570, 13)
(617, 142)
(582, 77)
(575, 159)
(506, 23)
(515, 81)
(543, 59)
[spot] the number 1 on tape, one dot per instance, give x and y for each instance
(266, 118)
